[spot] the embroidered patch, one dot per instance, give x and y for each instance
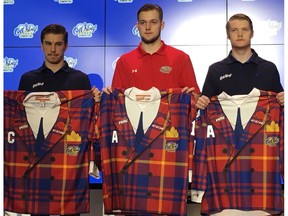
(272, 141)
(172, 133)
(72, 150)
(60, 125)
(73, 137)
(171, 146)
(257, 121)
(272, 128)
(225, 76)
(220, 118)
(23, 126)
(123, 121)
(160, 120)
(142, 97)
(165, 69)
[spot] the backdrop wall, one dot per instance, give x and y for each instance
(102, 30)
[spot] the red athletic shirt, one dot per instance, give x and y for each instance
(166, 68)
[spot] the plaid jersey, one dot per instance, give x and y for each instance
(52, 178)
(240, 174)
(149, 177)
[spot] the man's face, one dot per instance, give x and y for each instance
(240, 33)
(149, 26)
(54, 48)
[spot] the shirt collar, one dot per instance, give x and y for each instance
(160, 51)
(254, 58)
(44, 68)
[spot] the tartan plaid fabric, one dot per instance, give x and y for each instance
(55, 182)
(246, 177)
(153, 180)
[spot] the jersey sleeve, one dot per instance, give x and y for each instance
(199, 178)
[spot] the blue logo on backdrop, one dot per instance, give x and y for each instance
(9, 64)
(135, 31)
(274, 27)
(71, 62)
(84, 30)
(25, 30)
(8, 2)
(125, 1)
(64, 1)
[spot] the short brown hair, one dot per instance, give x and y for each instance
(149, 7)
(55, 29)
(239, 16)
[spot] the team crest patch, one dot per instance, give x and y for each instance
(172, 135)
(165, 69)
(72, 150)
(272, 141)
(73, 137)
(171, 146)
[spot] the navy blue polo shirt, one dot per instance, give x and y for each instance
(43, 79)
(236, 78)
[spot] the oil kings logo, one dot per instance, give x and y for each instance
(9, 64)
(8, 2)
(64, 1)
(274, 27)
(124, 1)
(84, 30)
(71, 62)
(25, 30)
(135, 31)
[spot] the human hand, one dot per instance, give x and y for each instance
(188, 90)
(96, 93)
(202, 102)
(280, 98)
(107, 90)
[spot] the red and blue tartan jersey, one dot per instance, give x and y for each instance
(154, 178)
(246, 175)
(55, 181)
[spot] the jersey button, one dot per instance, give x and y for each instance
(121, 191)
(226, 190)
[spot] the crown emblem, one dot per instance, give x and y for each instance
(272, 128)
(172, 133)
(73, 137)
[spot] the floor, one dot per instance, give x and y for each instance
(96, 208)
